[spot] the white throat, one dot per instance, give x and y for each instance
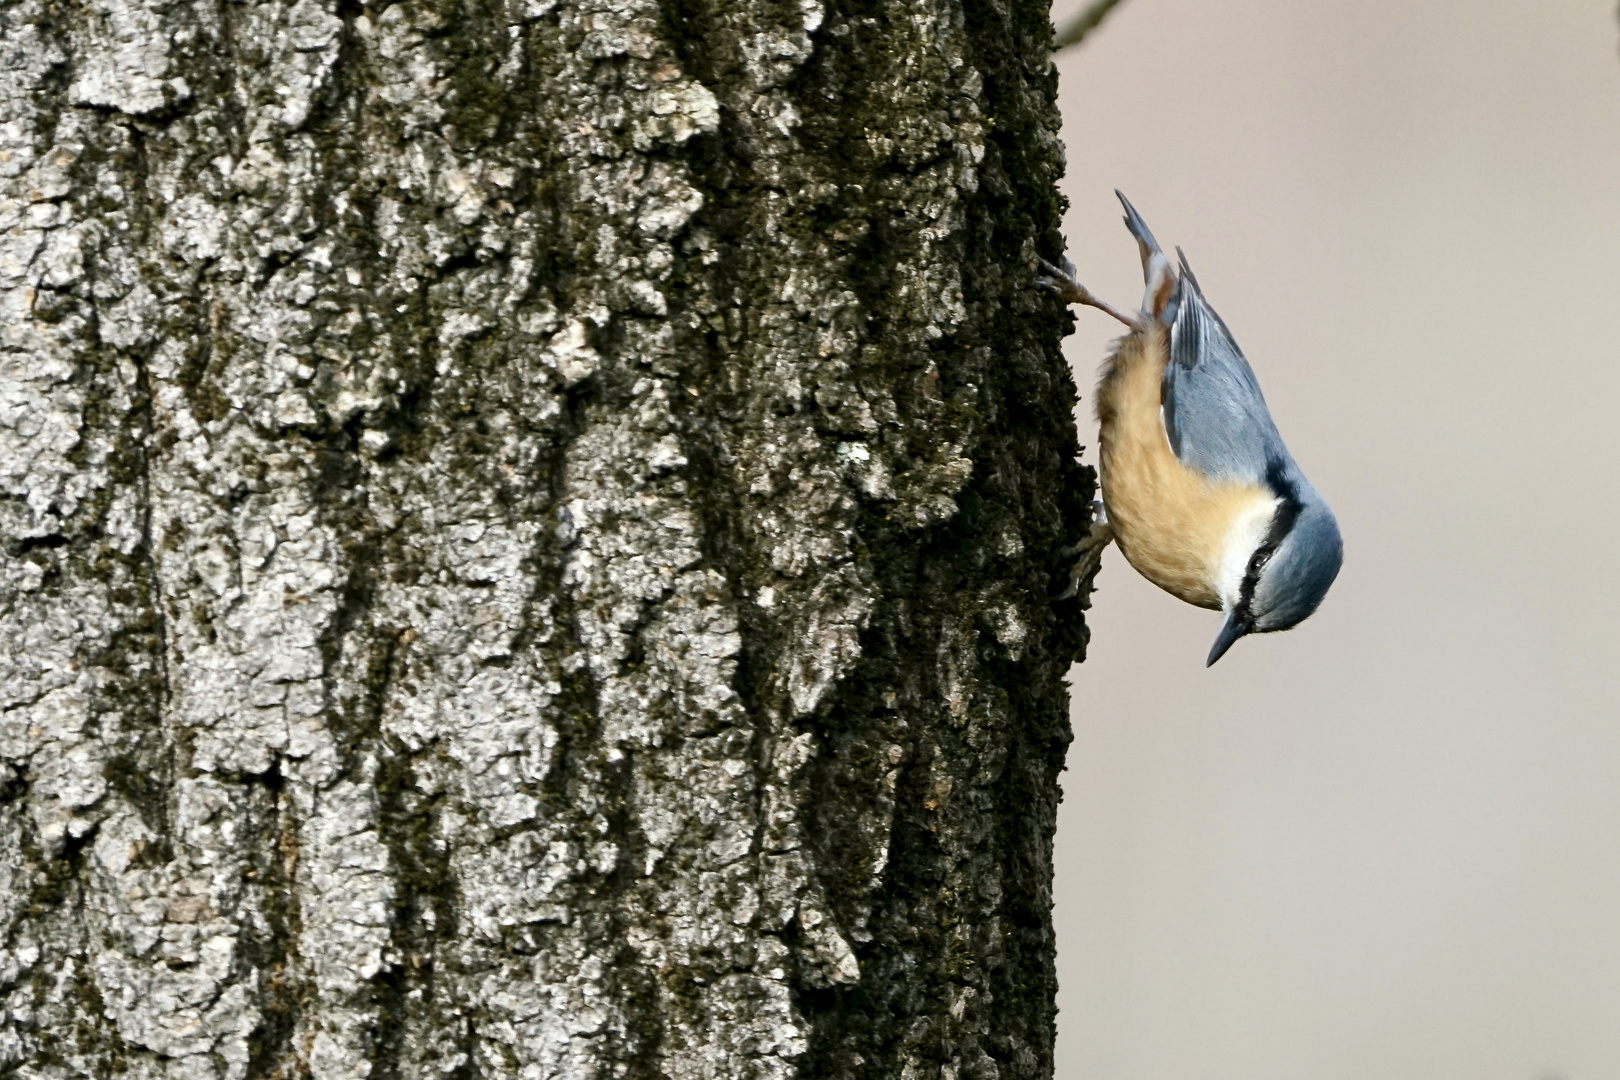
(1247, 532)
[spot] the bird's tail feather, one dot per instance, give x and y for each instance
(1157, 274)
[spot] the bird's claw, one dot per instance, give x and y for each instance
(1060, 279)
(1088, 556)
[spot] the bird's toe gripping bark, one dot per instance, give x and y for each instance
(1088, 557)
(1060, 279)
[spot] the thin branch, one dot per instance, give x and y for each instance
(1082, 24)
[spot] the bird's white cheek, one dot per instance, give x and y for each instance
(1247, 531)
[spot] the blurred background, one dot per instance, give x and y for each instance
(1387, 844)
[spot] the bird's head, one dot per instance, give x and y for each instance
(1288, 570)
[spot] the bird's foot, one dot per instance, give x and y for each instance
(1060, 279)
(1088, 556)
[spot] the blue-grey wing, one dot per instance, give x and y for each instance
(1214, 412)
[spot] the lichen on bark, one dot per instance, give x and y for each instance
(528, 534)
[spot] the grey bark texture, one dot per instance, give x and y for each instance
(527, 535)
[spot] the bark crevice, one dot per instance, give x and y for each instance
(530, 526)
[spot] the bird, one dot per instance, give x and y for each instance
(1198, 489)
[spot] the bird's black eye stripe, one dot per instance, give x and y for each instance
(1288, 510)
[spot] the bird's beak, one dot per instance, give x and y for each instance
(1234, 628)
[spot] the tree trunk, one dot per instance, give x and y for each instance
(528, 530)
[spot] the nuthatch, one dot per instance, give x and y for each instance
(1203, 497)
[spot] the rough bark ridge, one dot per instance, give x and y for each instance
(527, 530)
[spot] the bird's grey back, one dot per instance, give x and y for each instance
(1214, 412)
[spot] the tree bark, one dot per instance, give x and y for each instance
(528, 530)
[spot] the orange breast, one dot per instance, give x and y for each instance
(1170, 522)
